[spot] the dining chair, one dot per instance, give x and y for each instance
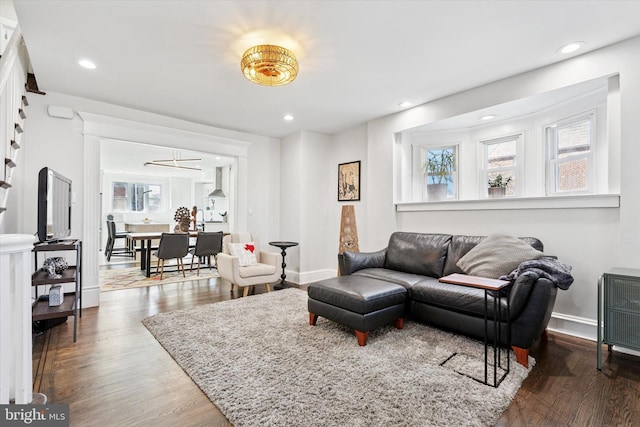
(172, 245)
(112, 236)
(207, 244)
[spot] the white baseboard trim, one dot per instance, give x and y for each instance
(580, 327)
(309, 276)
(90, 297)
(575, 326)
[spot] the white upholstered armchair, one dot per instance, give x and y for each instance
(242, 263)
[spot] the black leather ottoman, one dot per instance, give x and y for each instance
(358, 302)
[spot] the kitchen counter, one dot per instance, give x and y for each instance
(146, 227)
(216, 226)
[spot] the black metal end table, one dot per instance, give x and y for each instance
(499, 289)
(283, 247)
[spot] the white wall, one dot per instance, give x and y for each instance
(346, 147)
(291, 197)
(181, 191)
(304, 205)
(591, 240)
(54, 143)
(314, 192)
(263, 195)
(310, 212)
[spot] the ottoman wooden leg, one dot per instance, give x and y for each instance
(313, 318)
(399, 323)
(362, 338)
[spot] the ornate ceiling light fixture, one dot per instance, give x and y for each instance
(269, 65)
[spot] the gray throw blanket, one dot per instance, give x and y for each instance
(547, 268)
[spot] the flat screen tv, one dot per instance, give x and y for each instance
(54, 206)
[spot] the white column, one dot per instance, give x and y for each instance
(15, 318)
(91, 222)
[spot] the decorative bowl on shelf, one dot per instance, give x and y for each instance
(146, 220)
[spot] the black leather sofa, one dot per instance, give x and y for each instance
(416, 261)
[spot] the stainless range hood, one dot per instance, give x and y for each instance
(218, 191)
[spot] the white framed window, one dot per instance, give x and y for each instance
(132, 197)
(440, 172)
(571, 143)
(500, 164)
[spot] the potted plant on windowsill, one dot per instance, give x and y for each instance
(498, 186)
(438, 169)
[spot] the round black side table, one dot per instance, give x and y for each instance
(283, 247)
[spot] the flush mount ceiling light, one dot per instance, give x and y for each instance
(488, 117)
(288, 117)
(269, 65)
(570, 47)
(404, 104)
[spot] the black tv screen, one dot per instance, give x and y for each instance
(54, 206)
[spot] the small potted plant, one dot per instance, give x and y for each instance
(438, 169)
(498, 186)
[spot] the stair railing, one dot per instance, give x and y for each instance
(13, 76)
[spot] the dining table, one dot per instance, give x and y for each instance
(146, 246)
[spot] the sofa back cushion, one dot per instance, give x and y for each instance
(497, 255)
(460, 245)
(417, 253)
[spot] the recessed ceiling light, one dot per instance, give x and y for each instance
(570, 47)
(404, 104)
(488, 117)
(85, 63)
(288, 117)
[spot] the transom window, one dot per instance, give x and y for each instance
(570, 145)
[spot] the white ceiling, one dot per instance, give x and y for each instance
(358, 59)
(518, 108)
(130, 158)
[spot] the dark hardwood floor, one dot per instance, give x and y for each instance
(117, 374)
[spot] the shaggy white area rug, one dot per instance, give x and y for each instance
(262, 364)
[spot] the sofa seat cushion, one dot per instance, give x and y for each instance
(398, 277)
(357, 293)
(458, 298)
(258, 269)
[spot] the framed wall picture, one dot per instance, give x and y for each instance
(349, 181)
